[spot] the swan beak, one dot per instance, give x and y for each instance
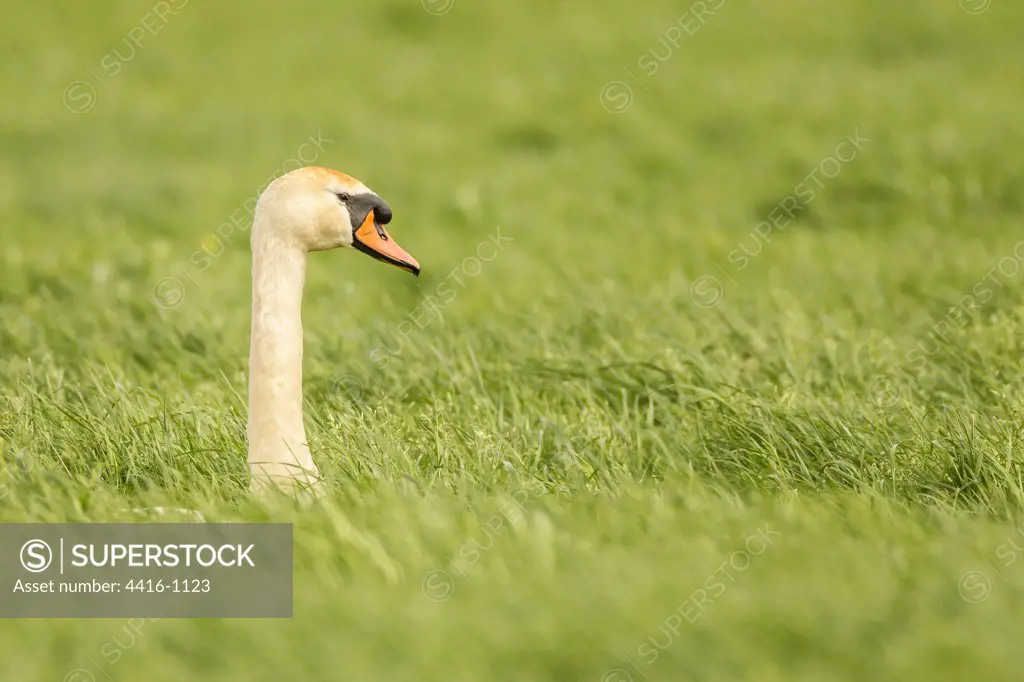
(372, 239)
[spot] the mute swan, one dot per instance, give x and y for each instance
(308, 209)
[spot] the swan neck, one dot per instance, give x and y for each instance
(278, 450)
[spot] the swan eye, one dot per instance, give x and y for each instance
(343, 197)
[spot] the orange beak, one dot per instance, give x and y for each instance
(372, 239)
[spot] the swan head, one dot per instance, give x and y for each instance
(318, 209)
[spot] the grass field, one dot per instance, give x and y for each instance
(713, 371)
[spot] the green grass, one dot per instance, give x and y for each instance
(556, 461)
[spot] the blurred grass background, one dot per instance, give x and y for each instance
(650, 420)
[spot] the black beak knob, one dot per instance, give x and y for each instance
(382, 212)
